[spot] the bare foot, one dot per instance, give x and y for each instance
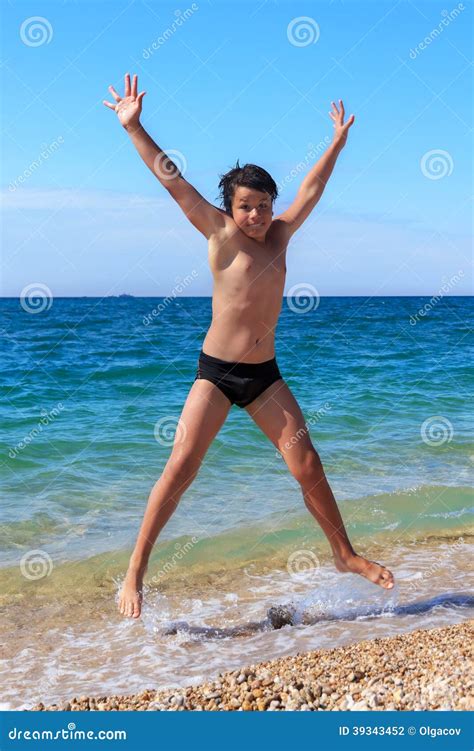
(131, 594)
(372, 571)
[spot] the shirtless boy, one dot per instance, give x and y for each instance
(237, 365)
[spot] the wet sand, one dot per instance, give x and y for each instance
(425, 669)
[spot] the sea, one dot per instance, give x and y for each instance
(92, 390)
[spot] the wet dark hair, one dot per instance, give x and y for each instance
(248, 176)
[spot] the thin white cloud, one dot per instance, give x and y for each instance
(31, 199)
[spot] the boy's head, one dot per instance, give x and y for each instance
(247, 194)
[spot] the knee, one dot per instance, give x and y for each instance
(183, 467)
(308, 469)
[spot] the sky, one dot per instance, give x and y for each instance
(254, 81)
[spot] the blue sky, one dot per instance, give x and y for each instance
(83, 215)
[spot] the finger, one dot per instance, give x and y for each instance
(114, 94)
(342, 107)
(127, 84)
(331, 114)
(335, 108)
(108, 104)
(135, 85)
(140, 96)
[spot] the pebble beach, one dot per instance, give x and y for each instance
(241, 545)
(425, 669)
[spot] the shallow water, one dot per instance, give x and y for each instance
(89, 649)
(95, 395)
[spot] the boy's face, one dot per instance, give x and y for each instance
(252, 211)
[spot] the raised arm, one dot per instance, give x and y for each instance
(202, 214)
(312, 187)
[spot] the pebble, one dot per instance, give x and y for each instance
(424, 669)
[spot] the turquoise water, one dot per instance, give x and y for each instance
(86, 382)
(91, 393)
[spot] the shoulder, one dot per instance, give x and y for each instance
(221, 244)
(225, 230)
(279, 232)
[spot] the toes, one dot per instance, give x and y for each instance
(387, 579)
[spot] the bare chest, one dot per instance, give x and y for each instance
(253, 274)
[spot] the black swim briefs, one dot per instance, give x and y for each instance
(241, 382)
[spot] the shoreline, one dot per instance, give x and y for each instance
(423, 669)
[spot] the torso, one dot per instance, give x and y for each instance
(249, 278)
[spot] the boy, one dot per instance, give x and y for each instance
(237, 365)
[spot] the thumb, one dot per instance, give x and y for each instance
(140, 96)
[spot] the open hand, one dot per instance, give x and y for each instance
(129, 108)
(340, 127)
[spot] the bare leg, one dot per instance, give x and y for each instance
(279, 416)
(204, 413)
